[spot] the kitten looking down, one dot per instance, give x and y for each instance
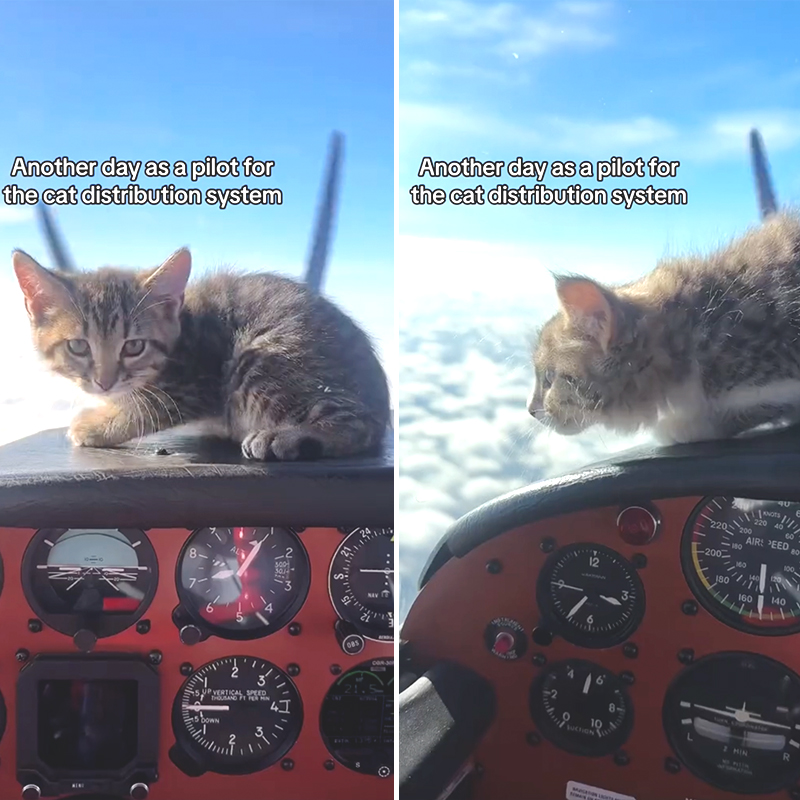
(281, 370)
(700, 348)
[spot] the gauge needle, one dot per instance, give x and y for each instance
(379, 571)
(249, 560)
(223, 573)
(762, 579)
(587, 684)
(577, 607)
(742, 715)
(612, 600)
(198, 707)
(562, 585)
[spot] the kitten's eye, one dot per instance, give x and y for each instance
(548, 378)
(133, 347)
(78, 347)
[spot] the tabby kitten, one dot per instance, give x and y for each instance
(703, 347)
(279, 369)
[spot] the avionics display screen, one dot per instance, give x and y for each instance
(88, 725)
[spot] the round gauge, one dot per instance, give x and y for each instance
(733, 719)
(237, 715)
(101, 580)
(361, 582)
(591, 595)
(243, 583)
(357, 718)
(582, 708)
(741, 559)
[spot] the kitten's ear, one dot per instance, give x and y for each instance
(169, 281)
(41, 288)
(589, 307)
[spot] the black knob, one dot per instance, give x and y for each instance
(190, 634)
(352, 643)
(31, 792)
(85, 640)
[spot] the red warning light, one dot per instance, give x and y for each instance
(638, 525)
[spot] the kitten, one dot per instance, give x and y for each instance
(701, 348)
(286, 373)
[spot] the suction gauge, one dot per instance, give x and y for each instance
(361, 582)
(582, 708)
(100, 580)
(242, 583)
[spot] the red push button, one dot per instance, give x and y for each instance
(503, 643)
(637, 525)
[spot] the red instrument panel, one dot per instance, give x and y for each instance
(687, 664)
(307, 649)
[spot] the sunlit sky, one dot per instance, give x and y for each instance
(684, 81)
(185, 80)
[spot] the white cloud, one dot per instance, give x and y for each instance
(425, 126)
(506, 28)
(14, 215)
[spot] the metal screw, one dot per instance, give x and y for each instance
(35, 625)
(22, 655)
(287, 764)
(329, 765)
(186, 669)
(295, 629)
(672, 766)
(630, 650)
(548, 544)
(689, 608)
(639, 561)
(533, 738)
(336, 669)
(143, 626)
(686, 656)
(627, 677)
(493, 566)
(539, 659)
(294, 671)
(621, 758)
(155, 657)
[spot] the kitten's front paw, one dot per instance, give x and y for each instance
(287, 444)
(94, 427)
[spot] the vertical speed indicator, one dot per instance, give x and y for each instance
(741, 558)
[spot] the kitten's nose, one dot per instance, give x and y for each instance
(532, 405)
(105, 384)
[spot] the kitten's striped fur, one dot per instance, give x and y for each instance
(702, 347)
(281, 371)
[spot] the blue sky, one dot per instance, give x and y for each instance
(183, 80)
(588, 80)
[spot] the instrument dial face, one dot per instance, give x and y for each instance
(733, 719)
(361, 582)
(100, 580)
(243, 583)
(742, 561)
(357, 718)
(237, 715)
(582, 708)
(590, 595)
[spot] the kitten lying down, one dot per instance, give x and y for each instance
(278, 369)
(701, 348)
